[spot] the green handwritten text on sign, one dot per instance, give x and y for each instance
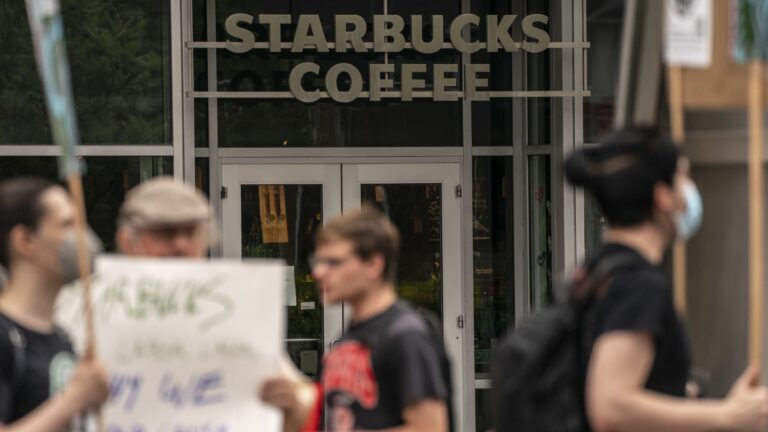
(187, 343)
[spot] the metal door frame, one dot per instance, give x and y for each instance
(449, 176)
(327, 175)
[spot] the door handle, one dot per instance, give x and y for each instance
(334, 342)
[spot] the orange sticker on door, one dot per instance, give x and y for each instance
(274, 216)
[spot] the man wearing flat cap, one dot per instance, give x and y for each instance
(164, 218)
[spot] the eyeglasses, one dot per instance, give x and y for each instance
(330, 262)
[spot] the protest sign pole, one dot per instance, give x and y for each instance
(687, 44)
(677, 122)
(751, 48)
(75, 184)
(756, 210)
(48, 39)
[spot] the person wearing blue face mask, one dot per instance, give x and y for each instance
(638, 358)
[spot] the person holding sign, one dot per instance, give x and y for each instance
(639, 356)
(43, 388)
(389, 370)
(163, 218)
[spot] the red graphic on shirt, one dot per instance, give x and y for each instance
(348, 369)
(342, 419)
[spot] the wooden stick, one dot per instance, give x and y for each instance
(677, 120)
(75, 183)
(756, 203)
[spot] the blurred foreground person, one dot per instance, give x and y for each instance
(163, 218)
(42, 386)
(389, 370)
(640, 356)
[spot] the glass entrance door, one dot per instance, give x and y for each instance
(424, 202)
(273, 211)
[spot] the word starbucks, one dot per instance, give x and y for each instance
(389, 37)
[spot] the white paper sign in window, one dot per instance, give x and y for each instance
(688, 33)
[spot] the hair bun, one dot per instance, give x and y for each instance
(579, 169)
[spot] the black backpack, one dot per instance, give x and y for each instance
(538, 369)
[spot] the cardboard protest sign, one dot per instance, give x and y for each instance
(274, 219)
(723, 84)
(187, 343)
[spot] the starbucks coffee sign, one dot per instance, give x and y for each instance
(389, 38)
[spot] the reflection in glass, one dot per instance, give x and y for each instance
(539, 77)
(594, 224)
(539, 115)
(416, 210)
(279, 222)
(120, 67)
(492, 123)
(605, 20)
(493, 249)
(202, 170)
(199, 20)
(105, 183)
(290, 123)
(201, 119)
(483, 420)
(540, 217)
(264, 71)
(449, 9)
(326, 10)
(362, 123)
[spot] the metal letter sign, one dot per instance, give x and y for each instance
(309, 82)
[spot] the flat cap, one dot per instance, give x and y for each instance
(163, 202)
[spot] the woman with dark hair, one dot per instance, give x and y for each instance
(36, 359)
(640, 358)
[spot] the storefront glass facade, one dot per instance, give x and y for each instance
(474, 185)
(605, 22)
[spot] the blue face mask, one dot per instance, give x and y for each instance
(689, 221)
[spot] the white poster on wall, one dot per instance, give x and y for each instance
(688, 33)
(187, 343)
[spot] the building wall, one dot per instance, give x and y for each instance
(717, 276)
(718, 255)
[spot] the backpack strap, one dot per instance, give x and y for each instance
(589, 286)
(591, 282)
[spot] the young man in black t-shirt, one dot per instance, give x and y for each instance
(389, 370)
(639, 361)
(43, 388)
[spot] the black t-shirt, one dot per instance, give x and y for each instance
(639, 298)
(48, 363)
(379, 367)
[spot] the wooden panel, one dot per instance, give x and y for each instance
(724, 84)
